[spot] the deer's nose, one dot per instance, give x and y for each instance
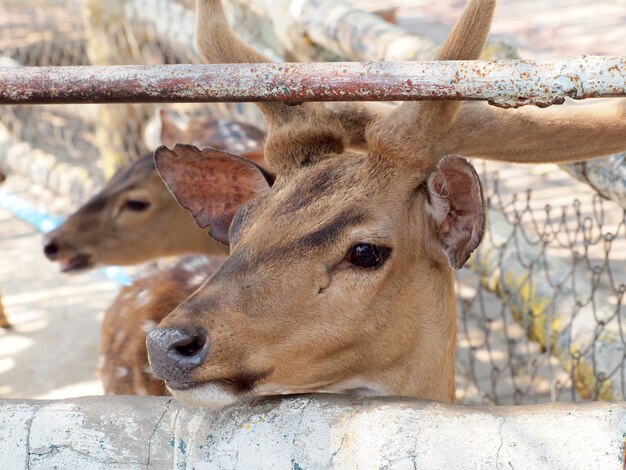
(51, 249)
(174, 352)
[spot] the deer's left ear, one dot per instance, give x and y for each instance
(210, 183)
(457, 205)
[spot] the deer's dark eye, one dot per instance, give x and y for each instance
(367, 255)
(136, 206)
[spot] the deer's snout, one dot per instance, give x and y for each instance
(51, 248)
(174, 352)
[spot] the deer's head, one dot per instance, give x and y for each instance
(131, 220)
(340, 270)
(134, 218)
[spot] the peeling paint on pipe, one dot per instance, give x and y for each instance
(508, 84)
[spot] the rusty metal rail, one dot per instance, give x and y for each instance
(503, 83)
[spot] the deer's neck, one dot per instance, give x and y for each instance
(428, 366)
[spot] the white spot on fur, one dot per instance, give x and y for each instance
(143, 298)
(122, 311)
(139, 390)
(197, 279)
(121, 371)
(147, 326)
(119, 336)
(193, 264)
(102, 360)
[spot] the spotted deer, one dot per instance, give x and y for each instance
(340, 274)
(134, 218)
(123, 364)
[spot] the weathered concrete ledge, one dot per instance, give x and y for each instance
(308, 432)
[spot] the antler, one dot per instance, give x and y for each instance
(415, 127)
(534, 135)
(297, 134)
(429, 129)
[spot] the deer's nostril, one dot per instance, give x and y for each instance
(51, 249)
(191, 347)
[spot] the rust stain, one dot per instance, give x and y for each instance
(508, 84)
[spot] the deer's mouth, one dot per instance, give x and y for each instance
(237, 385)
(76, 263)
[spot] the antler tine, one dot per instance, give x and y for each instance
(415, 127)
(468, 36)
(296, 134)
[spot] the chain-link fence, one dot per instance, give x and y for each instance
(542, 321)
(540, 304)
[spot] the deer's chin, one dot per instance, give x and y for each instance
(76, 263)
(212, 395)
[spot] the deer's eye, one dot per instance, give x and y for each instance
(368, 255)
(134, 205)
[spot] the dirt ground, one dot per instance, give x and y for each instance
(51, 351)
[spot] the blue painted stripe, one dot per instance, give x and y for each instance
(45, 223)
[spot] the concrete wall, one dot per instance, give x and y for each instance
(306, 432)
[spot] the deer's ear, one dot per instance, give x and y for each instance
(210, 183)
(457, 205)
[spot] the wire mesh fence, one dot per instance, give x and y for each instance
(540, 305)
(542, 321)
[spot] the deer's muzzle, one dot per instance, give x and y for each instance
(174, 353)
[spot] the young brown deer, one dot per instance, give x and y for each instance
(340, 277)
(134, 218)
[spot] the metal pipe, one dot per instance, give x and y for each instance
(502, 83)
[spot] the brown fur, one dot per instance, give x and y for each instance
(103, 231)
(288, 306)
(124, 368)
